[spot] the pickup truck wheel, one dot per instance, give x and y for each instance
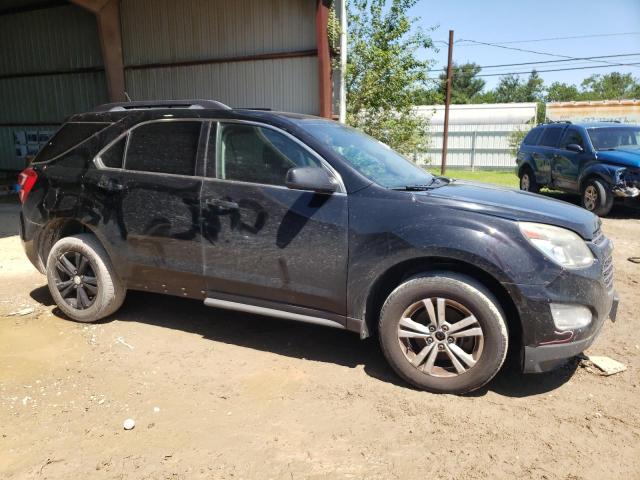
(528, 181)
(443, 332)
(596, 197)
(82, 280)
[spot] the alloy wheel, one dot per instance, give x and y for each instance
(441, 340)
(76, 280)
(590, 197)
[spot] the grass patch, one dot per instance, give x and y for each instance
(506, 178)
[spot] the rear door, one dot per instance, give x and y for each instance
(148, 200)
(567, 164)
(546, 151)
(265, 244)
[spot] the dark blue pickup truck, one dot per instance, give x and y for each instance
(600, 161)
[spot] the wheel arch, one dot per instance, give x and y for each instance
(400, 272)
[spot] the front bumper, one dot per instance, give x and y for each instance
(544, 345)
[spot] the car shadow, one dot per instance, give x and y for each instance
(294, 339)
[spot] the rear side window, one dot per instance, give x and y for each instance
(551, 136)
(69, 136)
(164, 147)
(112, 157)
(532, 137)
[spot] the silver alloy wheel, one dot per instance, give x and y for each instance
(525, 183)
(590, 197)
(442, 342)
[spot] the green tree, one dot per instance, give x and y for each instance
(611, 86)
(384, 72)
(562, 92)
(466, 85)
(508, 89)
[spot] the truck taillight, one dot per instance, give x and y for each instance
(26, 181)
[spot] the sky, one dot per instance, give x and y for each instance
(498, 21)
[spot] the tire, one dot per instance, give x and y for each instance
(440, 375)
(528, 182)
(597, 197)
(105, 294)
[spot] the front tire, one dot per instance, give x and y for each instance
(82, 280)
(597, 197)
(443, 332)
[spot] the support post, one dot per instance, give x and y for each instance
(107, 14)
(473, 149)
(449, 85)
(324, 58)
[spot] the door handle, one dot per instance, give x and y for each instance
(222, 204)
(110, 185)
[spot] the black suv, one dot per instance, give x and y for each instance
(302, 218)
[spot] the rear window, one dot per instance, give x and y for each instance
(69, 136)
(551, 136)
(533, 136)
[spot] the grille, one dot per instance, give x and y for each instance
(599, 240)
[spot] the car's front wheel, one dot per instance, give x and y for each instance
(528, 181)
(443, 332)
(82, 280)
(597, 197)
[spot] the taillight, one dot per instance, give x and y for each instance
(26, 181)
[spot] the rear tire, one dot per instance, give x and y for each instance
(82, 280)
(457, 355)
(528, 182)
(597, 197)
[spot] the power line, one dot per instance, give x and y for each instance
(548, 61)
(534, 51)
(561, 69)
(595, 35)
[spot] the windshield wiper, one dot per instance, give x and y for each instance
(435, 183)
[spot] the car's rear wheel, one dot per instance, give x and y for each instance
(597, 197)
(528, 181)
(82, 280)
(444, 333)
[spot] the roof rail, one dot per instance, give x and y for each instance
(153, 104)
(560, 121)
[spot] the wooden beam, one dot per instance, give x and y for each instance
(107, 14)
(324, 58)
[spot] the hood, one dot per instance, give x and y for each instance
(515, 205)
(628, 157)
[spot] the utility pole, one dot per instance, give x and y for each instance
(447, 102)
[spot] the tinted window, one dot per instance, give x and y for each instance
(372, 158)
(572, 135)
(69, 136)
(260, 155)
(112, 157)
(532, 137)
(164, 147)
(551, 136)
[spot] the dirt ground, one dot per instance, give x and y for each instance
(226, 395)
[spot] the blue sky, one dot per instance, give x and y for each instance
(496, 21)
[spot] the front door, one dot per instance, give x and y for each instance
(567, 164)
(265, 244)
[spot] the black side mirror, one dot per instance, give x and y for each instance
(315, 179)
(574, 147)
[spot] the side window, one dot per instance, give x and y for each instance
(70, 135)
(255, 154)
(572, 135)
(164, 147)
(532, 137)
(551, 136)
(112, 157)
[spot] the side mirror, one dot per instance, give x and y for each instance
(315, 179)
(574, 147)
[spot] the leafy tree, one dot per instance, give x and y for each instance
(466, 86)
(508, 89)
(611, 86)
(561, 92)
(384, 72)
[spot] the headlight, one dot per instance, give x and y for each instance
(562, 246)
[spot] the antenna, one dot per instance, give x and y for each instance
(127, 96)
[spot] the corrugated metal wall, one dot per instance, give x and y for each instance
(46, 40)
(165, 31)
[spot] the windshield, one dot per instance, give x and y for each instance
(610, 138)
(373, 159)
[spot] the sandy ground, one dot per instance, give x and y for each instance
(222, 395)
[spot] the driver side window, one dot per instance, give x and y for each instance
(572, 136)
(250, 153)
